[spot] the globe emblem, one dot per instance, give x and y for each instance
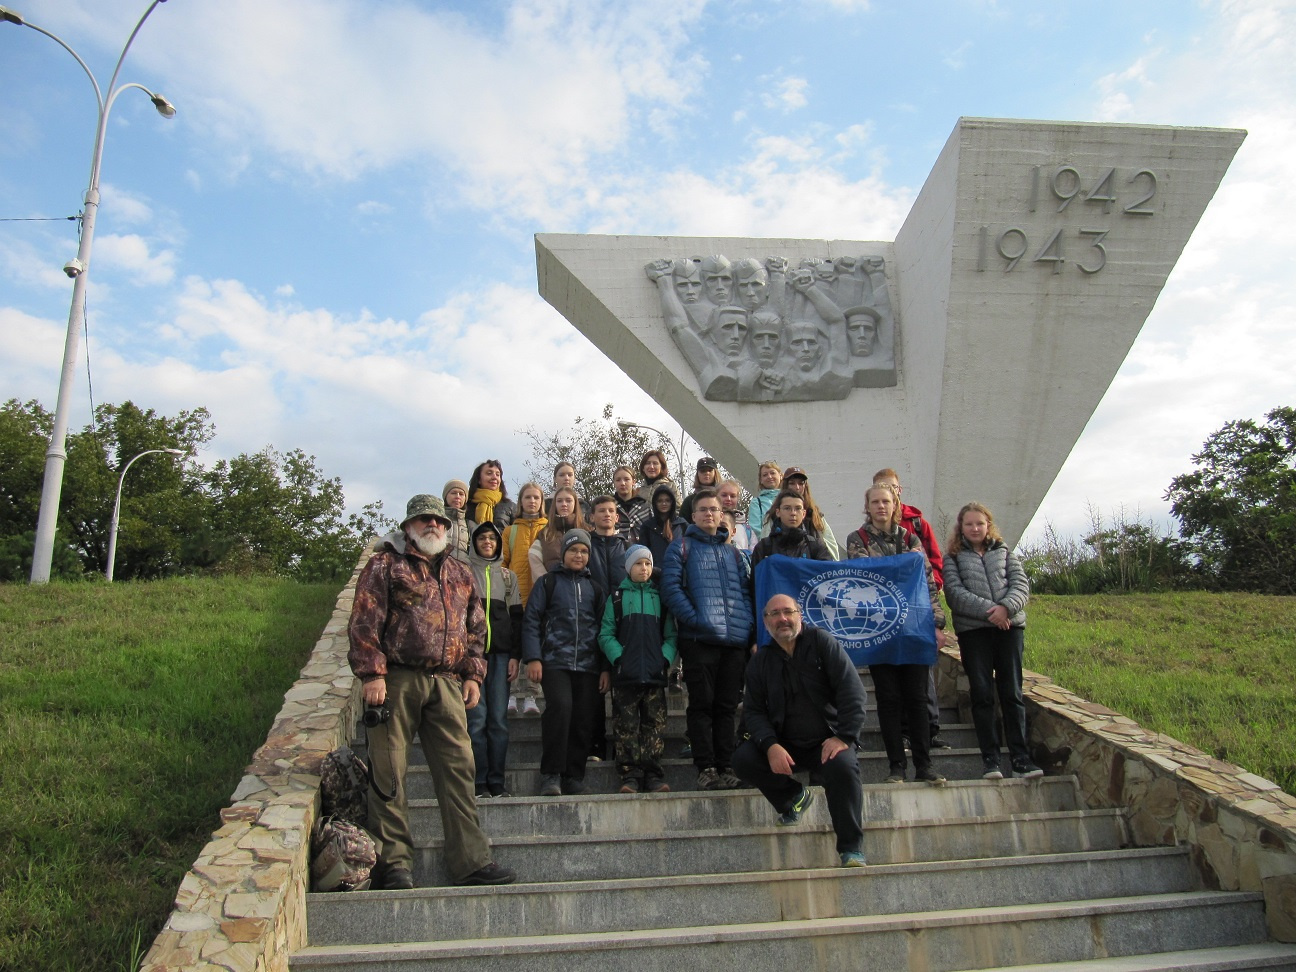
(859, 607)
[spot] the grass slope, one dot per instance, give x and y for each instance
(1212, 670)
(127, 713)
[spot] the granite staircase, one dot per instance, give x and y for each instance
(973, 875)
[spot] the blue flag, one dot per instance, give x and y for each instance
(877, 607)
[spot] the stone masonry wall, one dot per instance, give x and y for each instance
(242, 906)
(1240, 827)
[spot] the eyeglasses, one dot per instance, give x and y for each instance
(707, 510)
(783, 613)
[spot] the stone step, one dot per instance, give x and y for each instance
(614, 814)
(938, 941)
(767, 847)
(601, 777)
(586, 907)
(524, 747)
(1265, 956)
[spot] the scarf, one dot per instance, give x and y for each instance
(485, 500)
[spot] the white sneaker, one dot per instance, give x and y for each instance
(512, 706)
(529, 707)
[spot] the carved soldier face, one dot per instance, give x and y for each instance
(689, 284)
(730, 333)
(862, 331)
(719, 285)
(806, 345)
(753, 289)
(766, 338)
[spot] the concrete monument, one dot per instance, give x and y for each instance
(968, 354)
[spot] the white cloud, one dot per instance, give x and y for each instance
(789, 95)
(372, 207)
(131, 255)
(126, 207)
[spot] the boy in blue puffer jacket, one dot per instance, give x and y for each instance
(638, 639)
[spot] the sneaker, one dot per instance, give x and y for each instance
(629, 784)
(394, 878)
(991, 766)
(852, 859)
(937, 742)
(897, 774)
(1025, 769)
(512, 707)
(572, 787)
(726, 780)
(550, 785)
(792, 816)
(707, 778)
(655, 784)
(929, 775)
(490, 873)
(500, 791)
(483, 793)
(687, 751)
(529, 707)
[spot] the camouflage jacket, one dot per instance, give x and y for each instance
(412, 611)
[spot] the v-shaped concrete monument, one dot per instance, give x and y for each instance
(968, 354)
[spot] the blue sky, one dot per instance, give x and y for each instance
(330, 246)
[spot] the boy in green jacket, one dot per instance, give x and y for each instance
(638, 638)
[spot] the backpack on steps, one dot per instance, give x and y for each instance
(342, 855)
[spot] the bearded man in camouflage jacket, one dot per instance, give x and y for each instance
(416, 635)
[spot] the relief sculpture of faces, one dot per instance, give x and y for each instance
(766, 337)
(861, 330)
(753, 283)
(717, 278)
(729, 331)
(807, 345)
(688, 281)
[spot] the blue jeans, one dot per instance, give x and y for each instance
(992, 659)
(488, 724)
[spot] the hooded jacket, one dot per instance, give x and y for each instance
(974, 584)
(640, 648)
(911, 519)
(651, 536)
(498, 589)
(790, 543)
(416, 611)
(560, 626)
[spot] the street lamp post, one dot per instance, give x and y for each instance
(623, 425)
(116, 517)
(56, 455)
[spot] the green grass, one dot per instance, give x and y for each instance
(1212, 670)
(127, 713)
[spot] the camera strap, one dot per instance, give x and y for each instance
(370, 776)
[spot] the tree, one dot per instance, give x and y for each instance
(1238, 507)
(595, 447)
(264, 512)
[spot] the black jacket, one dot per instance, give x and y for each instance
(561, 624)
(607, 560)
(791, 543)
(825, 672)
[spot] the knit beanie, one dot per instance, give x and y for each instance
(572, 537)
(445, 491)
(637, 553)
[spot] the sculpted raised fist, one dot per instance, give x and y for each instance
(658, 269)
(776, 264)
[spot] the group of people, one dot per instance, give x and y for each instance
(478, 603)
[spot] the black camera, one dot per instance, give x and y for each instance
(376, 715)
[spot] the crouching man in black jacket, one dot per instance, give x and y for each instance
(803, 710)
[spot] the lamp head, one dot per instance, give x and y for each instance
(11, 16)
(164, 107)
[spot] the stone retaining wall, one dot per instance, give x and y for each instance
(1241, 828)
(242, 906)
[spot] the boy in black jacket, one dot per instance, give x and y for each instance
(638, 639)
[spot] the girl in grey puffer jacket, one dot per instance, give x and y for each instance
(987, 589)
